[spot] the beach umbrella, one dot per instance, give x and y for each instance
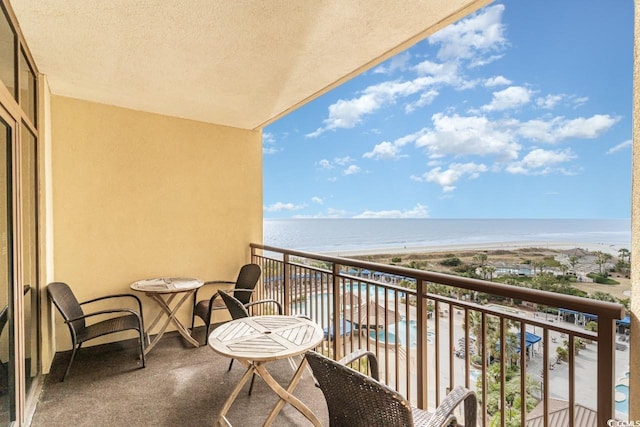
(369, 313)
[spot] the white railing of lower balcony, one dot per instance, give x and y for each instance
(429, 333)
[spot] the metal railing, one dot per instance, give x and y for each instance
(431, 332)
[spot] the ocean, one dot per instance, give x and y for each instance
(337, 236)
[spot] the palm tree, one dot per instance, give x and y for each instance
(624, 254)
(601, 260)
(480, 258)
(573, 261)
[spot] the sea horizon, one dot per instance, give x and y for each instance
(367, 235)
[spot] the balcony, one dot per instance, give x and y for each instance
(431, 333)
(385, 309)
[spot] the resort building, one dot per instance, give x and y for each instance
(131, 147)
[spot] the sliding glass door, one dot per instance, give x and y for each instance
(19, 288)
(7, 354)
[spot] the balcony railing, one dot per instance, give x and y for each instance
(431, 334)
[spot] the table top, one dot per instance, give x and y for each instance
(264, 338)
(167, 285)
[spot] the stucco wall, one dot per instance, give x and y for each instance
(139, 195)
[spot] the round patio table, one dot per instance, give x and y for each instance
(258, 340)
(164, 291)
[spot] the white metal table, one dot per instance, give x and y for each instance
(164, 291)
(258, 340)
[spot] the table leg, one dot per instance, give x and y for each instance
(227, 405)
(180, 327)
(163, 308)
(285, 395)
(171, 317)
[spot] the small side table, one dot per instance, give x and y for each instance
(164, 291)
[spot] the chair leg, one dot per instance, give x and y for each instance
(142, 334)
(73, 355)
(206, 333)
(253, 378)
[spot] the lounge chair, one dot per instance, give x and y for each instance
(355, 399)
(244, 287)
(73, 315)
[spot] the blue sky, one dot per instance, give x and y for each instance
(522, 110)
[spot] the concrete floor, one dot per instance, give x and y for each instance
(180, 386)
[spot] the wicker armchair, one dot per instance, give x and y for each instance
(355, 399)
(239, 311)
(243, 290)
(73, 315)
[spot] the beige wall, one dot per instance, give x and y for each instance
(45, 221)
(139, 195)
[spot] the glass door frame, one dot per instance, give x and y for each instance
(17, 118)
(14, 323)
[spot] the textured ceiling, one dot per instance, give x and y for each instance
(240, 63)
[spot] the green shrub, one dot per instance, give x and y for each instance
(602, 279)
(451, 261)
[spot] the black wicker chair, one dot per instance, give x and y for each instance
(73, 315)
(243, 290)
(355, 399)
(239, 311)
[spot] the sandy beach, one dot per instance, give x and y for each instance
(591, 247)
(503, 253)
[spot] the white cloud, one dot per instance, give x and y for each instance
(351, 170)
(315, 133)
(511, 97)
(426, 98)
(279, 207)
(560, 128)
(268, 137)
(478, 34)
(336, 213)
(540, 162)
(270, 150)
(580, 101)
(549, 101)
(472, 135)
(268, 142)
(467, 39)
(447, 178)
(338, 161)
(397, 63)
(348, 113)
(623, 145)
(317, 200)
(325, 164)
(587, 128)
(497, 81)
(384, 151)
(342, 160)
(419, 211)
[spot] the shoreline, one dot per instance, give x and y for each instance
(507, 245)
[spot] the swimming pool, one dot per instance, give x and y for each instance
(399, 330)
(363, 287)
(623, 405)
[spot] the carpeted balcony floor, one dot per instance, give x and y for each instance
(181, 386)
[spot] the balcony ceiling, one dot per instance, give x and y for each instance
(237, 63)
